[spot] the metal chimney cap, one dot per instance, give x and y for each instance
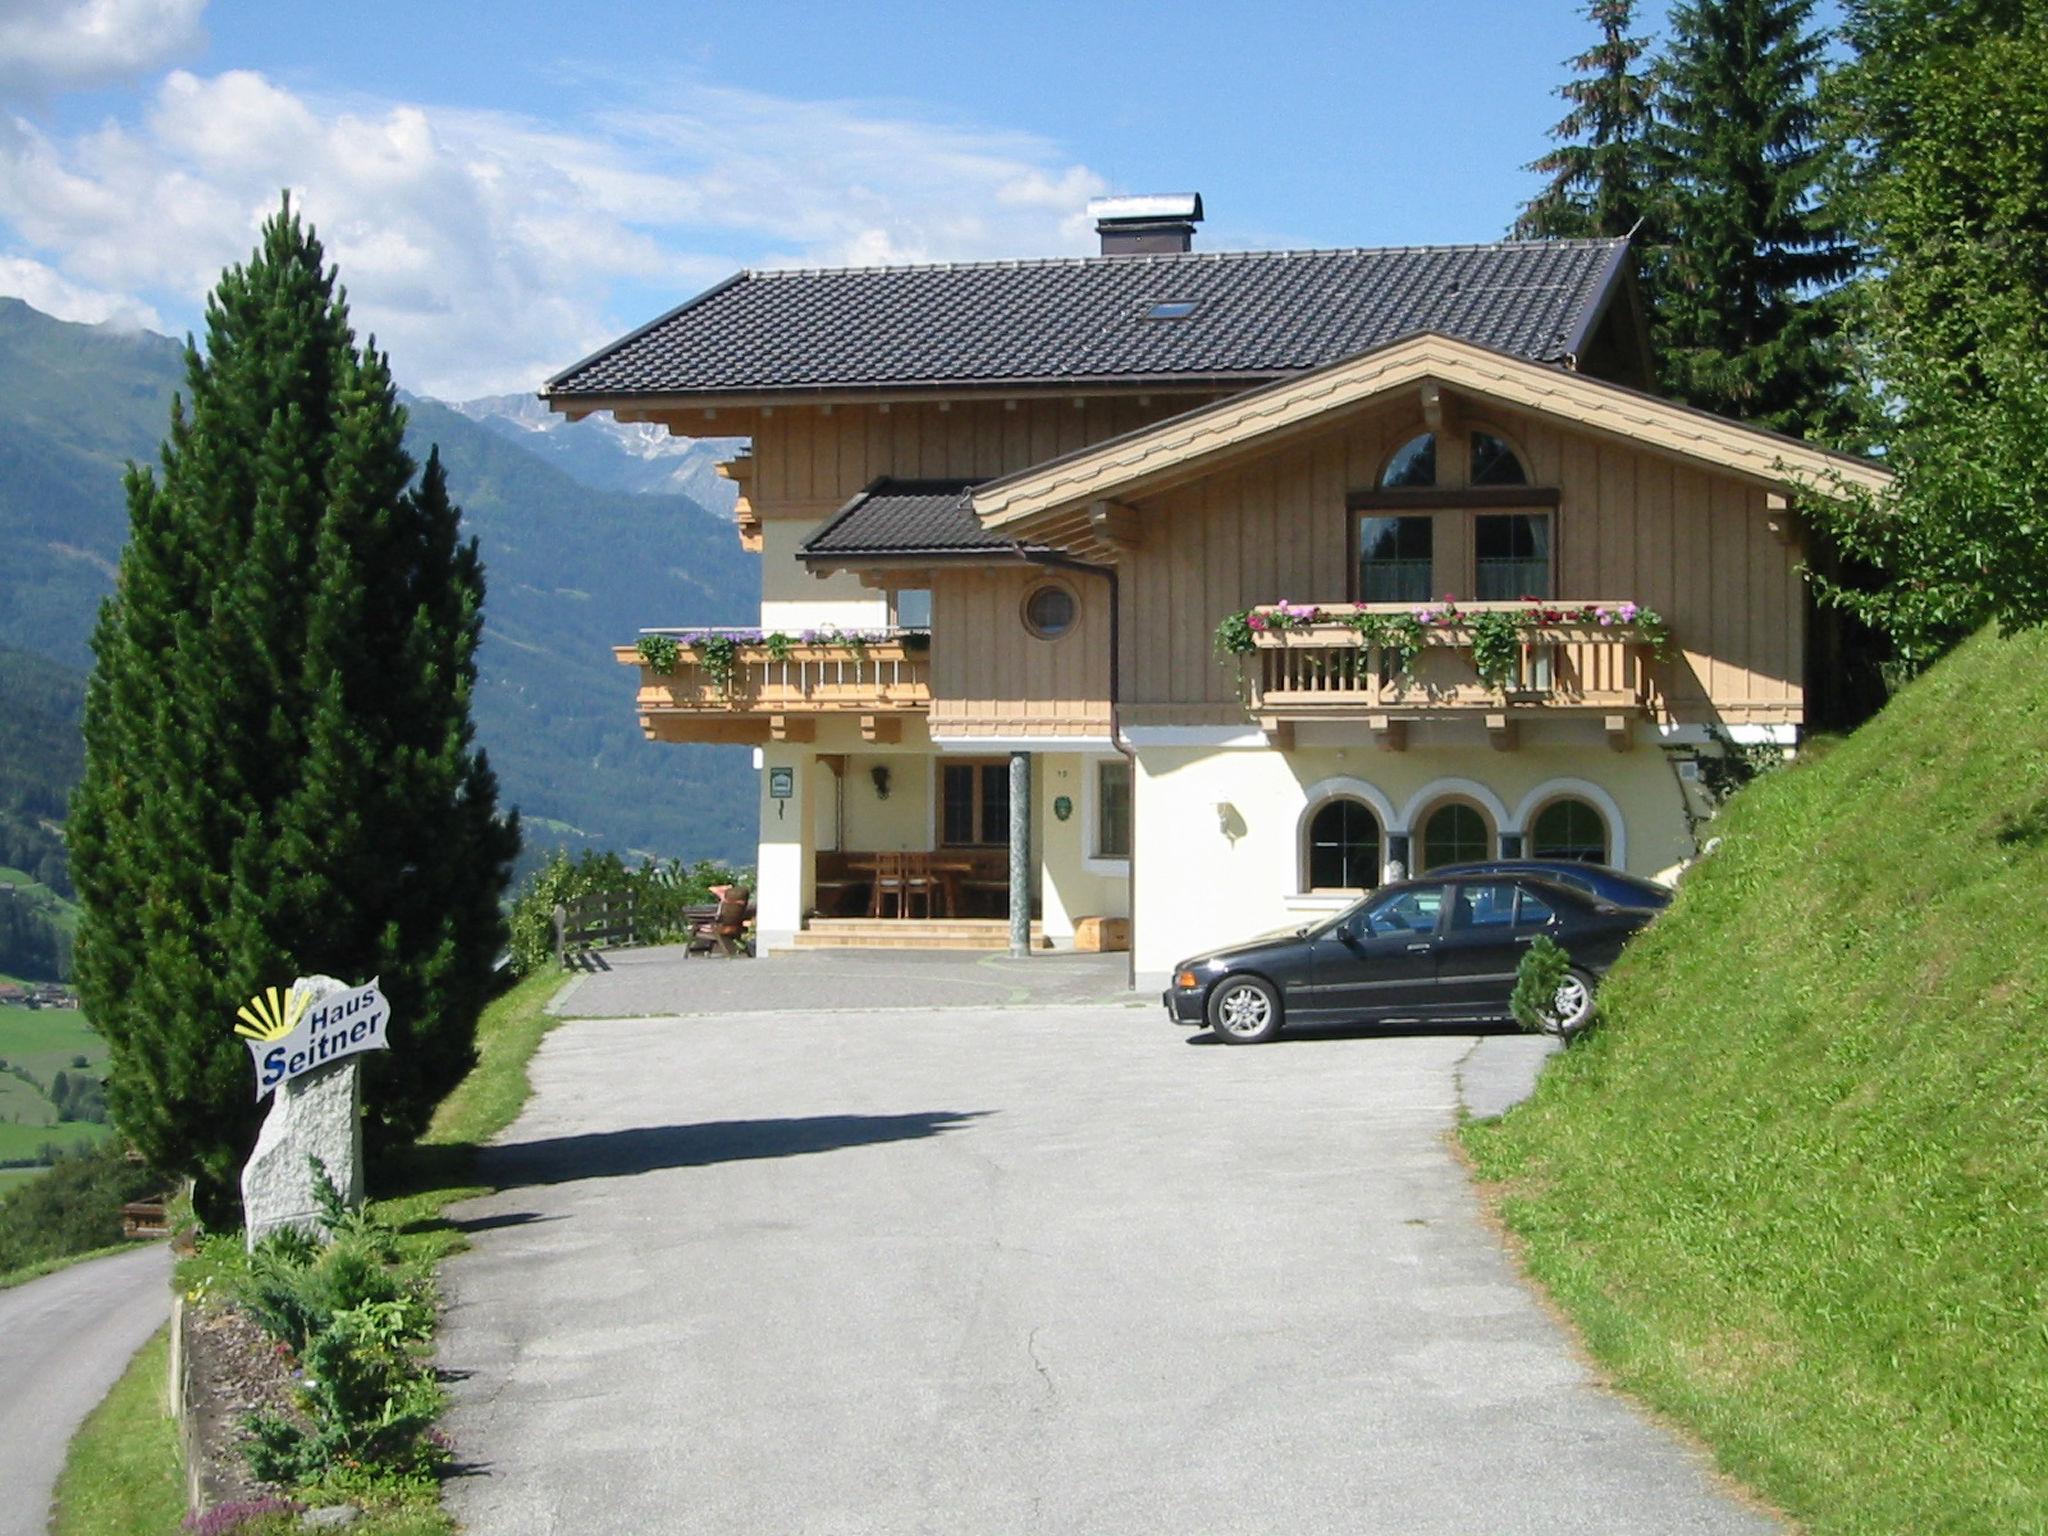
(1146, 208)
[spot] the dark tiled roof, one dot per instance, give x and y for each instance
(906, 517)
(1256, 314)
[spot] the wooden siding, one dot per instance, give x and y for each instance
(992, 677)
(809, 461)
(1695, 546)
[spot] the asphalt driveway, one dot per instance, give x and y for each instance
(1042, 1270)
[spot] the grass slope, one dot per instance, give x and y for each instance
(1795, 1189)
(121, 1477)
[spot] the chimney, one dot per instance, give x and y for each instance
(1159, 224)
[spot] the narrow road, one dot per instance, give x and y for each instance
(64, 1341)
(1018, 1272)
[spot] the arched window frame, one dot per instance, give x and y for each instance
(1543, 795)
(1321, 794)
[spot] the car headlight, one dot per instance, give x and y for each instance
(1187, 981)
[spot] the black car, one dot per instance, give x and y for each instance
(1437, 948)
(1596, 880)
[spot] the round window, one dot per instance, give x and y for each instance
(1049, 612)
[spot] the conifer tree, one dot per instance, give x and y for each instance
(280, 772)
(1599, 173)
(1946, 108)
(1750, 248)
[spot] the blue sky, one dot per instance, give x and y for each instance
(507, 186)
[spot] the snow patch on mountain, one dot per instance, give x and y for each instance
(613, 455)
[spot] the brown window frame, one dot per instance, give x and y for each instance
(1473, 502)
(978, 764)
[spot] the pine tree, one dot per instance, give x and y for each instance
(1946, 107)
(280, 773)
(1599, 173)
(1747, 322)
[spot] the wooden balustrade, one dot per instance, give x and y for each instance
(890, 675)
(1328, 670)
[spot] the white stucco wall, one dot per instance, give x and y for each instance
(1206, 878)
(1072, 883)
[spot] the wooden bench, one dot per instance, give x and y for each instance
(145, 1218)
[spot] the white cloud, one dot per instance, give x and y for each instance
(485, 250)
(56, 45)
(54, 295)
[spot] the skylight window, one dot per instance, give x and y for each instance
(1170, 309)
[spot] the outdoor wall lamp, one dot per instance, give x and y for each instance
(1228, 822)
(880, 774)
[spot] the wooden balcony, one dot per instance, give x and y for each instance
(1327, 671)
(779, 692)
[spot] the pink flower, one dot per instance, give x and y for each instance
(1629, 612)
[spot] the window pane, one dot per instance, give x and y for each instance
(914, 608)
(1394, 555)
(1570, 829)
(1344, 847)
(1455, 834)
(995, 803)
(1494, 462)
(1484, 906)
(1113, 804)
(1514, 556)
(1050, 612)
(958, 824)
(1408, 911)
(1413, 463)
(1531, 911)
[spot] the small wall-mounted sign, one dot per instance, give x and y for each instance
(781, 783)
(289, 1034)
(1063, 807)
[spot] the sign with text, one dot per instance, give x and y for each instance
(289, 1033)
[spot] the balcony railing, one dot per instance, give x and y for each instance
(1327, 668)
(742, 672)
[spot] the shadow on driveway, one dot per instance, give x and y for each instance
(645, 1149)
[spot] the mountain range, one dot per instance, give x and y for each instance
(586, 533)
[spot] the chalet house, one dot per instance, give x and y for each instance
(1205, 590)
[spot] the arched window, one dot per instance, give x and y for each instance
(1569, 829)
(1343, 847)
(1413, 463)
(1494, 461)
(1454, 834)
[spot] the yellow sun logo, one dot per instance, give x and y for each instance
(271, 1015)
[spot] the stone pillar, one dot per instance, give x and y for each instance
(318, 1115)
(1511, 845)
(1020, 853)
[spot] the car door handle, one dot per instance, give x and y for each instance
(1417, 948)
(1527, 938)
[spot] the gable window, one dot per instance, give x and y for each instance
(1454, 834)
(911, 607)
(1569, 829)
(1113, 809)
(1513, 555)
(1394, 555)
(1343, 847)
(1413, 464)
(1494, 462)
(974, 801)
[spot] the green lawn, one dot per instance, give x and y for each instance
(23, 1104)
(47, 1040)
(122, 1476)
(1794, 1188)
(19, 1141)
(14, 1178)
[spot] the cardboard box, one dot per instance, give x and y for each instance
(1098, 935)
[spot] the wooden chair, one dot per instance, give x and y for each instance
(888, 884)
(727, 926)
(918, 882)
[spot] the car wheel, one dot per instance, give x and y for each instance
(1244, 1010)
(1571, 1007)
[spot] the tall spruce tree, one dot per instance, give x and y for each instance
(1946, 112)
(1599, 173)
(1747, 320)
(280, 772)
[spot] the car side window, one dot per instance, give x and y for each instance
(1483, 906)
(1531, 910)
(1413, 910)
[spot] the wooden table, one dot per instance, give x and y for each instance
(916, 865)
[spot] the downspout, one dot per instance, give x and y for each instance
(1116, 733)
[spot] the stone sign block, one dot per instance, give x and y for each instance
(317, 1115)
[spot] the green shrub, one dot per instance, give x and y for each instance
(1542, 971)
(74, 1208)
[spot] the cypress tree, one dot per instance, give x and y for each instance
(1750, 247)
(1599, 173)
(1946, 109)
(280, 771)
